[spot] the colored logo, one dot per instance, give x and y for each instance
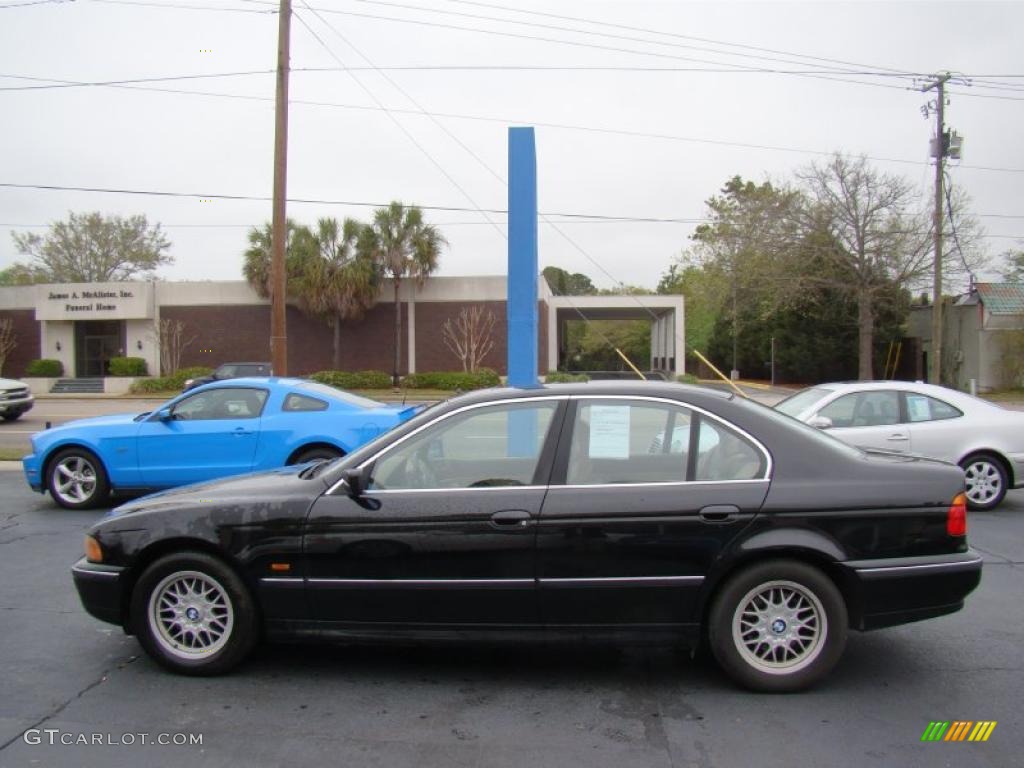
(958, 730)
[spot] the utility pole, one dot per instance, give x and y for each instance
(278, 299)
(939, 84)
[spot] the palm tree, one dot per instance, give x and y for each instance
(334, 279)
(402, 246)
(256, 267)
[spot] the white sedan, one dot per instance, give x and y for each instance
(985, 440)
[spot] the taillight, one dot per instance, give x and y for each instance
(956, 517)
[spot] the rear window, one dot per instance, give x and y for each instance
(796, 404)
(296, 402)
(340, 394)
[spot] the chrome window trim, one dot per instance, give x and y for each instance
(438, 420)
(657, 483)
(769, 464)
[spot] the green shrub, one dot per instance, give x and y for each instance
(353, 379)
(46, 368)
(564, 377)
(169, 383)
(478, 379)
(686, 378)
(127, 366)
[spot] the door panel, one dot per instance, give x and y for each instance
(656, 491)
(869, 419)
(424, 557)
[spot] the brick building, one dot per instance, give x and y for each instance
(84, 325)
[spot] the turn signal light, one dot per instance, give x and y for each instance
(93, 551)
(956, 517)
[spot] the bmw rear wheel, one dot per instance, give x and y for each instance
(986, 481)
(778, 626)
(193, 614)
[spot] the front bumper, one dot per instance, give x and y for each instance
(21, 405)
(100, 587)
(33, 472)
(901, 590)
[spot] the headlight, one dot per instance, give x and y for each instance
(93, 551)
(188, 383)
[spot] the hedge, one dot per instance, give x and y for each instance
(127, 366)
(353, 379)
(478, 379)
(564, 377)
(170, 383)
(46, 368)
(687, 378)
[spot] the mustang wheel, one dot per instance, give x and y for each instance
(77, 480)
(193, 614)
(986, 481)
(778, 626)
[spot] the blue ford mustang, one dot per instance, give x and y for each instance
(223, 428)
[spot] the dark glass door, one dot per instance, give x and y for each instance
(96, 341)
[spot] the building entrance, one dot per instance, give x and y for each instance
(96, 341)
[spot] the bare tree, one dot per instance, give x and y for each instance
(8, 340)
(470, 336)
(171, 341)
(880, 237)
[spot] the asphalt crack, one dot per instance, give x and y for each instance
(104, 676)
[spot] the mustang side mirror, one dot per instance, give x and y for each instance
(164, 414)
(821, 422)
(357, 480)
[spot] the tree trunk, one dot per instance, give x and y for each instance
(866, 332)
(398, 335)
(336, 327)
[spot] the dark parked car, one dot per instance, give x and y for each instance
(230, 371)
(645, 512)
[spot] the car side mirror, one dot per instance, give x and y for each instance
(821, 422)
(357, 481)
(164, 414)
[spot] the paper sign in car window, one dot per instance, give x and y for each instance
(609, 432)
(917, 407)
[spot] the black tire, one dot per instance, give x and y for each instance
(216, 637)
(12, 416)
(322, 452)
(77, 479)
(987, 481)
(804, 595)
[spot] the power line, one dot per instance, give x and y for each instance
(182, 7)
(32, 2)
(128, 85)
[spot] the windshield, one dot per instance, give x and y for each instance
(796, 404)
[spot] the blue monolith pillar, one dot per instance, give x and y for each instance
(522, 258)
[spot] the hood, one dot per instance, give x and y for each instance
(110, 420)
(12, 384)
(261, 487)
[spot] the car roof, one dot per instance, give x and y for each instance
(954, 396)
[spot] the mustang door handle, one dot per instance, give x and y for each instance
(512, 518)
(242, 431)
(719, 513)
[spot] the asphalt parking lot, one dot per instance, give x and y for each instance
(68, 677)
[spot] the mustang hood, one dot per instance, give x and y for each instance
(110, 420)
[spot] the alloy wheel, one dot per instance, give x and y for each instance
(191, 615)
(74, 479)
(779, 627)
(984, 481)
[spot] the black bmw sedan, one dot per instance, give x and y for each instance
(602, 511)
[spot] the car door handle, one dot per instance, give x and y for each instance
(898, 436)
(511, 518)
(719, 513)
(239, 431)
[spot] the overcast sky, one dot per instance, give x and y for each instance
(626, 125)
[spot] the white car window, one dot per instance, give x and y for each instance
(864, 409)
(924, 408)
